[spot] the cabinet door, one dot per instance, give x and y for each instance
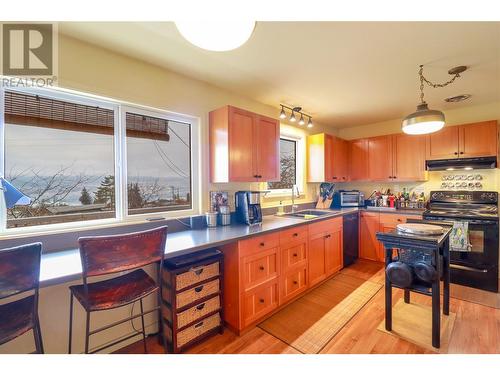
(260, 268)
(368, 243)
(259, 302)
(317, 271)
(358, 163)
(330, 172)
(266, 146)
(293, 256)
(380, 158)
(340, 160)
(409, 157)
(477, 140)
(333, 252)
(292, 284)
(443, 144)
(242, 158)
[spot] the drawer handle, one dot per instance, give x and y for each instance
(261, 268)
(200, 306)
(198, 289)
(295, 234)
(198, 325)
(295, 254)
(328, 236)
(399, 220)
(261, 300)
(198, 271)
(262, 244)
(295, 282)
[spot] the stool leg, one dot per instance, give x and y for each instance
(70, 321)
(37, 333)
(87, 336)
(143, 327)
(407, 296)
(388, 295)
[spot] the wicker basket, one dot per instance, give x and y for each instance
(196, 275)
(410, 256)
(198, 329)
(196, 312)
(194, 294)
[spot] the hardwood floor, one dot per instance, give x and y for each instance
(476, 329)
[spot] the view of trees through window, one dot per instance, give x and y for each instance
(61, 155)
(158, 167)
(288, 163)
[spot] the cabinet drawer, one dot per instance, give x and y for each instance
(325, 226)
(293, 283)
(257, 244)
(196, 275)
(192, 295)
(297, 234)
(260, 268)
(196, 312)
(293, 255)
(259, 301)
(191, 333)
(396, 218)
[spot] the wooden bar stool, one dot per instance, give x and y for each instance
(20, 273)
(106, 255)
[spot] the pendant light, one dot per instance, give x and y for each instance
(216, 34)
(310, 123)
(425, 120)
(282, 113)
(292, 117)
(301, 121)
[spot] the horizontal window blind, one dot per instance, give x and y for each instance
(141, 126)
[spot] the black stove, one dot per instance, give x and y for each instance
(478, 267)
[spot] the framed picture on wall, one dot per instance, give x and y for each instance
(217, 199)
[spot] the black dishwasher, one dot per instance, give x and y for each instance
(350, 238)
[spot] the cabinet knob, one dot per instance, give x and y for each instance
(393, 176)
(261, 300)
(455, 153)
(390, 176)
(295, 282)
(295, 234)
(262, 244)
(334, 177)
(399, 220)
(328, 236)
(261, 268)
(295, 254)
(461, 152)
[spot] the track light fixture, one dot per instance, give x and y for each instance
(293, 118)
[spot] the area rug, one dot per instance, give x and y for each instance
(309, 323)
(413, 322)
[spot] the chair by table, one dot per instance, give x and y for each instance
(19, 274)
(106, 255)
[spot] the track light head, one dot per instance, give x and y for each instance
(282, 113)
(301, 121)
(310, 123)
(292, 117)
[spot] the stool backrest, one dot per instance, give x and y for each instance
(20, 269)
(103, 255)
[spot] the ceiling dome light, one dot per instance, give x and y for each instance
(216, 35)
(282, 113)
(292, 117)
(423, 121)
(301, 121)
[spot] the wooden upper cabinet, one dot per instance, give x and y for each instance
(409, 157)
(358, 161)
(244, 146)
(327, 159)
(380, 158)
(479, 139)
(464, 141)
(443, 144)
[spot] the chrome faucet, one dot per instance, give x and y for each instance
(295, 188)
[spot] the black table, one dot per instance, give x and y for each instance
(438, 246)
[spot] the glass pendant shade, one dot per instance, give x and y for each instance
(423, 121)
(301, 121)
(292, 117)
(282, 114)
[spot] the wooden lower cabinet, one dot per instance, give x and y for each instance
(265, 272)
(370, 224)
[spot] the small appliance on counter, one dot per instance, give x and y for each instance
(248, 210)
(348, 198)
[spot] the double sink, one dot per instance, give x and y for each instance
(309, 214)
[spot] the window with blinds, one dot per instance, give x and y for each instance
(60, 154)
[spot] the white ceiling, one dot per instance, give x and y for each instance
(342, 73)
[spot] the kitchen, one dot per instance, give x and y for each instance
(274, 210)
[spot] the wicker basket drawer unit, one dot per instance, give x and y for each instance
(192, 298)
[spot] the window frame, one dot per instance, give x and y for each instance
(299, 166)
(120, 161)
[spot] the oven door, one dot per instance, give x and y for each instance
(349, 199)
(478, 267)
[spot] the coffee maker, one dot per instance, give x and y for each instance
(248, 209)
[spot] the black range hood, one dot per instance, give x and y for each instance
(489, 162)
